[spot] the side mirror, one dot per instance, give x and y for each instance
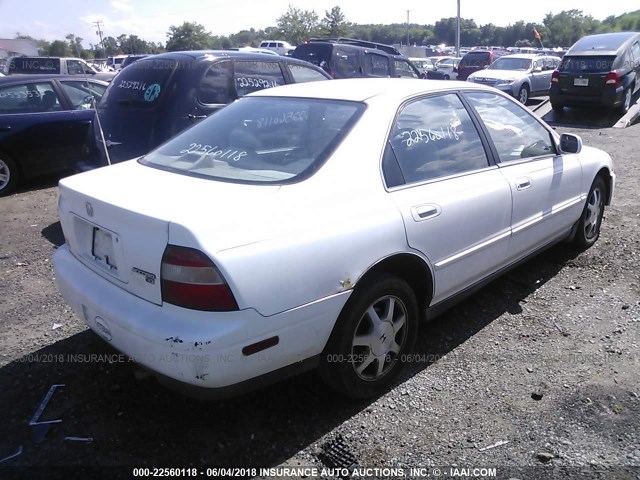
(570, 143)
(537, 69)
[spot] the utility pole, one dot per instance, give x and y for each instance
(408, 27)
(99, 33)
(458, 32)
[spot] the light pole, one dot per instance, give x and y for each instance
(408, 27)
(458, 32)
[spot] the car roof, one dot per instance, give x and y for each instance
(362, 89)
(39, 77)
(530, 56)
(603, 43)
(201, 54)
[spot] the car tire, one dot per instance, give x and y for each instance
(9, 175)
(588, 229)
(557, 108)
(626, 100)
(446, 77)
(375, 330)
(523, 94)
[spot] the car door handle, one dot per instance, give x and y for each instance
(425, 212)
(523, 183)
(5, 128)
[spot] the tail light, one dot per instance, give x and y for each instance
(613, 80)
(191, 280)
(555, 77)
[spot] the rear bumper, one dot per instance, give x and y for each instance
(201, 349)
(609, 97)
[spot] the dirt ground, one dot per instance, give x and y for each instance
(537, 375)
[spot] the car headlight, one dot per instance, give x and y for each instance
(505, 82)
(471, 79)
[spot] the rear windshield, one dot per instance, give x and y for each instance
(318, 54)
(142, 84)
(34, 65)
(472, 60)
(590, 64)
(260, 140)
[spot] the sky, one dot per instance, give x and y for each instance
(151, 19)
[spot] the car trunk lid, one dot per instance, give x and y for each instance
(585, 75)
(117, 220)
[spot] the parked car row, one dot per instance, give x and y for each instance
(598, 70)
(158, 96)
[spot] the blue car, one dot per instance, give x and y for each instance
(44, 122)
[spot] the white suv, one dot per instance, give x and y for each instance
(278, 46)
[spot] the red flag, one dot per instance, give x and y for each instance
(536, 34)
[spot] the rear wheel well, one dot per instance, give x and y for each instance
(411, 269)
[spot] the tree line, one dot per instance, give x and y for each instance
(297, 25)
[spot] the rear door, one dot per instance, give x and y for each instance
(456, 207)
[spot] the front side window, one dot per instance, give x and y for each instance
(433, 137)
(516, 134)
(251, 76)
(260, 140)
(29, 98)
(403, 69)
(80, 93)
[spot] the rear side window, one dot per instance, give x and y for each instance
(215, 87)
(29, 98)
(587, 64)
(253, 76)
(434, 137)
(142, 84)
(346, 64)
(376, 65)
(301, 73)
(635, 53)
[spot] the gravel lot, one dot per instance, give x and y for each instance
(537, 375)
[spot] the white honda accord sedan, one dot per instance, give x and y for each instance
(315, 225)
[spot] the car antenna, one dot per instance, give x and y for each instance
(95, 110)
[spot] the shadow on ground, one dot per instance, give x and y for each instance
(134, 421)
